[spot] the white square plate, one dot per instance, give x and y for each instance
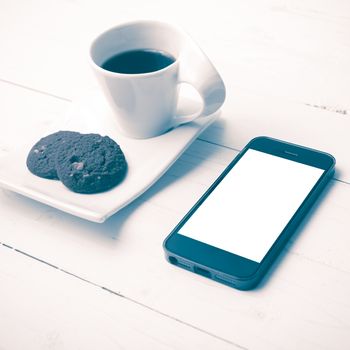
(147, 159)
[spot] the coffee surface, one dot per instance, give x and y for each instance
(138, 61)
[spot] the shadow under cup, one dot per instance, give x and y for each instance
(144, 104)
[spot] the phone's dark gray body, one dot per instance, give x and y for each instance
(232, 269)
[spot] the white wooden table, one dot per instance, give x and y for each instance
(66, 283)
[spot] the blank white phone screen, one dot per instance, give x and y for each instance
(251, 206)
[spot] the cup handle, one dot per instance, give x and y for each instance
(196, 69)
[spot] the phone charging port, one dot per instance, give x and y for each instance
(201, 271)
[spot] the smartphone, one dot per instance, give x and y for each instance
(238, 227)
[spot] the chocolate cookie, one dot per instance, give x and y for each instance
(90, 164)
(42, 157)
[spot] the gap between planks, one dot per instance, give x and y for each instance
(134, 301)
(35, 90)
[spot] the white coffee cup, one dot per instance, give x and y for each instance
(145, 104)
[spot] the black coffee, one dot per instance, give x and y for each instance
(138, 61)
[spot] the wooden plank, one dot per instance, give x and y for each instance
(297, 50)
(45, 308)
